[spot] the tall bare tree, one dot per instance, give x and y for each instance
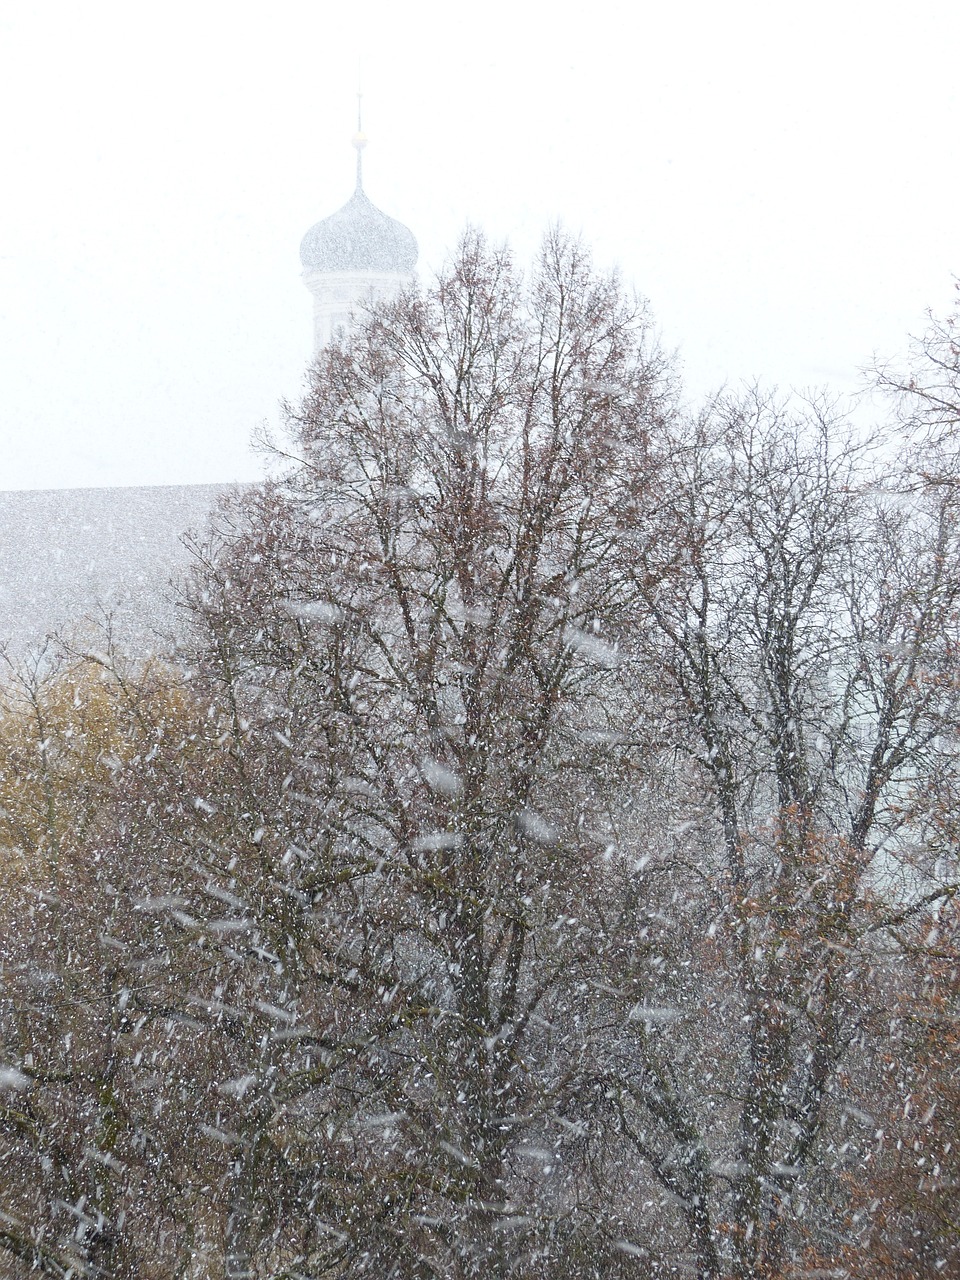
(433, 619)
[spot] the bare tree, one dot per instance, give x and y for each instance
(925, 392)
(432, 620)
(805, 640)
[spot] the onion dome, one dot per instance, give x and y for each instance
(359, 237)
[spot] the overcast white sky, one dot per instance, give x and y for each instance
(782, 182)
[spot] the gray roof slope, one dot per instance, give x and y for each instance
(68, 556)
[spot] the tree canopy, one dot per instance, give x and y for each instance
(542, 859)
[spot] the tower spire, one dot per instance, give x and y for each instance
(355, 256)
(359, 141)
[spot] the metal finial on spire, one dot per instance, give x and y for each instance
(359, 141)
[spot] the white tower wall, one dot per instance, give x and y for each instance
(339, 296)
(358, 255)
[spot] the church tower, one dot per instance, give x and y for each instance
(357, 255)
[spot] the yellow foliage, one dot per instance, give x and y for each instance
(65, 737)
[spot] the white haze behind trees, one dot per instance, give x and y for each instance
(542, 861)
(780, 182)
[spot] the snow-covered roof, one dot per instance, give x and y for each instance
(69, 557)
(359, 237)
